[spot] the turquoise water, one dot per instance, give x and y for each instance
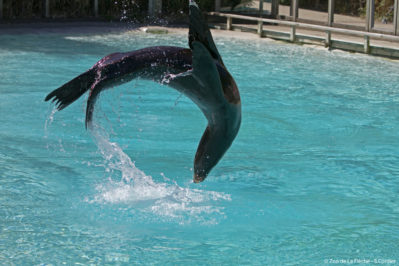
(312, 176)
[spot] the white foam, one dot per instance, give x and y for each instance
(138, 190)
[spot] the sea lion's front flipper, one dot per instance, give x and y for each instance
(205, 71)
(199, 31)
(211, 148)
(202, 83)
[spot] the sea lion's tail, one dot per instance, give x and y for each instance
(72, 90)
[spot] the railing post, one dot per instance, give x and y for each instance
(331, 6)
(217, 5)
(366, 44)
(275, 7)
(46, 5)
(96, 8)
(47, 8)
(294, 10)
(292, 34)
(260, 28)
(150, 7)
(229, 23)
(1, 9)
(396, 18)
(327, 42)
(370, 7)
(260, 8)
(154, 7)
(158, 6)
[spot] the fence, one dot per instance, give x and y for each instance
(369, 14)
(328, 30)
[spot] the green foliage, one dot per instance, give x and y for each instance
(175, 6)
(109, 9)
(171, 7)
(114, 9)
(136, 10)
(68, 8)
(22, 9)
(384, 9)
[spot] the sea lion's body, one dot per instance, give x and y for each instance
(198, 73)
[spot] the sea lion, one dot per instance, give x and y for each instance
(198, 72)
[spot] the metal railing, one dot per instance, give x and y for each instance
(294, 25)
(369, 16)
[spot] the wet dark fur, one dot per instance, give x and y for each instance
(199, 73)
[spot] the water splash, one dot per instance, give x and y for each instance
(49, 120)
(139, 191)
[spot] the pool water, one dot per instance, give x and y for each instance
(312, 177)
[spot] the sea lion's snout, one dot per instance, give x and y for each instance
(198, 178)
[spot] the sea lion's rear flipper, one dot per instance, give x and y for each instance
(72, 90)
(199, 31)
